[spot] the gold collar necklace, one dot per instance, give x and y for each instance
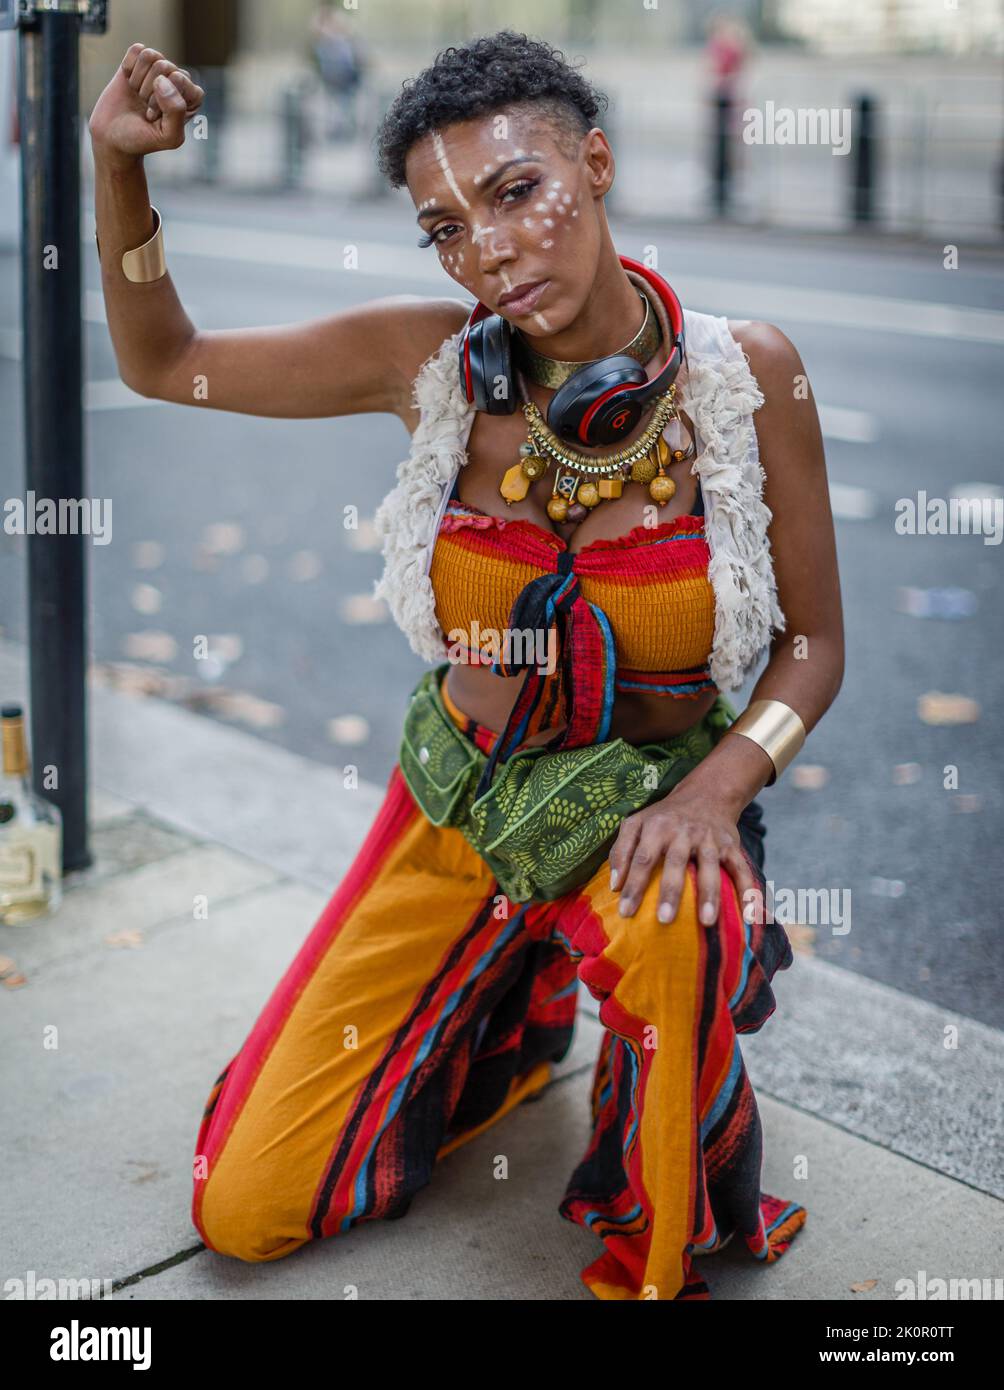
(553, 372)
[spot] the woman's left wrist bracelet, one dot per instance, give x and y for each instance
(146, 262)
(774, 727)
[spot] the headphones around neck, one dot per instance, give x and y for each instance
(600, 403)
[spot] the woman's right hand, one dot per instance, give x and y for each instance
(144, 107)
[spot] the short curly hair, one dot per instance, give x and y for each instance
(497, 70)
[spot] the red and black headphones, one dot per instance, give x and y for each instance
(600, 403)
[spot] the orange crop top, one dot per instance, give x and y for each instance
(634, 613)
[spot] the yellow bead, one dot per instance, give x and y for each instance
(588, 494)
(515, 484)
(661, 489)
(611, 487)
(643, 470)
(557, 509)
(662, 450)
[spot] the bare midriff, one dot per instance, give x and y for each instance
(637, 718)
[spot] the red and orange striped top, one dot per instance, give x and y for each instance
(635, 613)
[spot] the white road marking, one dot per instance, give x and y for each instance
(113, 394)
(851, 426)
(852, 503)
(737, 298)
(94, 308)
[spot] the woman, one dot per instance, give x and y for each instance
(440, 982)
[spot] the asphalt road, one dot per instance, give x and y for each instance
(233, 526)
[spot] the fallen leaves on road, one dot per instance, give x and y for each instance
(363, 608)
(936, 707)
(130, 937)
(809, 776)
(10, 976)
(348, 728)
(802, 938)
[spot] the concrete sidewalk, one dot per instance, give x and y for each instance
(899, 1136)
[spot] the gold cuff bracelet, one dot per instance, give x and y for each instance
(776, 728)
(146, 262)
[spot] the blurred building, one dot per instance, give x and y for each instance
(894, 26)
(931, 69)
(278, 33)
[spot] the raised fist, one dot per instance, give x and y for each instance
(144, 107)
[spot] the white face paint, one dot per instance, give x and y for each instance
(444, 164)
(478, 229)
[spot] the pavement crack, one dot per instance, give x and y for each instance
(159, 1268)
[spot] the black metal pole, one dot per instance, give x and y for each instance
(48, 98)
(863, 167)
(721, 164)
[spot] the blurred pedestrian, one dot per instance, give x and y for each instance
(207, 43)
(341, 64)
(726, 53)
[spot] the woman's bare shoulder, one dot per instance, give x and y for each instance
(772, 355)
(423, 329)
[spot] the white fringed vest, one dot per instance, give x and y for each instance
(719, 394)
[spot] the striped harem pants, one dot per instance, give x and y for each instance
(423, 1006)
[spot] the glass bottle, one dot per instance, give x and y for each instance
(31, 832)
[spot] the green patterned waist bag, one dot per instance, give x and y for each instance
(550, 817)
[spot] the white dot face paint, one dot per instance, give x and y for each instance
(456, 262)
